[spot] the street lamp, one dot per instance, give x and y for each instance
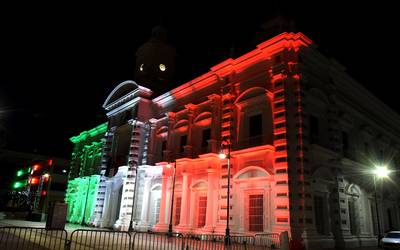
(379, 172)
(222, 155)
(133, 200)
(172, 199)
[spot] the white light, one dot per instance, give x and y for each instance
(64, 171)
(162, 67)
(141, 67)
(169, 165)
(381, 171)
(222, 155)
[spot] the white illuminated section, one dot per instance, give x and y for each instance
(141, 67)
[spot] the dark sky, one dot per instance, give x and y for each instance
(58, 63)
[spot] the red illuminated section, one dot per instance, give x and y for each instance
(34, 180)
(214, 79)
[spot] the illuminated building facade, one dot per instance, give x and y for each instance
(294, 120)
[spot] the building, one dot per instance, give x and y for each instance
(38, 178)
(303, 137)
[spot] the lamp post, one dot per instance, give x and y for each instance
(133, 201)
(172, 199)
(379, 172)
(222, 155)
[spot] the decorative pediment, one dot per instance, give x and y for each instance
(124, 93)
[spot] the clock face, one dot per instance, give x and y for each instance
(162, 67)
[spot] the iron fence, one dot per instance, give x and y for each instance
(27, 238)
(270, 240)
(99, 239)
(17, 238)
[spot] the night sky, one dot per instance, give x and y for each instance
(59, 63)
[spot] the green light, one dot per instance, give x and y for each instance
(20, 172)
(17, 185)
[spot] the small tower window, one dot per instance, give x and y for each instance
(162, 67)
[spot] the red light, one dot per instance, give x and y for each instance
(36, 167)
(44, 192)
(34, 181)
(50, 162)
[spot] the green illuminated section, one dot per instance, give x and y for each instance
(101, 129)
(81, 195)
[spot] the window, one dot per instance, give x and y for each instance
(255, 125)
(178, 203)
(157, 210)
(256, 207)
(201, 221)
(183, 143)
(314, 129)
(206, 137)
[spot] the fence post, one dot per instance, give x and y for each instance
(284, 239)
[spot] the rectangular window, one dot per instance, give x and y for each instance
(178, 202)
(206, 137)
(256, 218)
(183, 143)
(201, 222)
(255, 125)
(314, 129)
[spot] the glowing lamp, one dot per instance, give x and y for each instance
(50, 162)
(381, 171)
(169, 165)
(44, 192)
(46, 177)
(34, 181)
(17, 184)
(36, 167)
(20, 172)
(222, 155)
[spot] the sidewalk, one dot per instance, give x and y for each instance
(69, 227)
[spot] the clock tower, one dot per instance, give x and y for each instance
(155, 62)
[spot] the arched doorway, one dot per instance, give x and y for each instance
(198, 204)
(252, 209)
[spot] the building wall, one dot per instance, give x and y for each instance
(293, 121)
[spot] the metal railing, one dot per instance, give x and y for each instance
(17, 238)
(26, 238)
(270, 240)
(99, 239)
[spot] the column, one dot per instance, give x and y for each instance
(216, 123)
(151, 145)
(185, 200)
(163, 200)
(145, 202)
(191, 113)
(170, 139)
(210, 201)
